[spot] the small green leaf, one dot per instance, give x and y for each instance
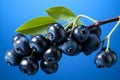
(61, 13)
(36, 26)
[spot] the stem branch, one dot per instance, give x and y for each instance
(81, 16)
(108, 44)
(114, 28)
(84, 16)
(104, 22)
(109, 35)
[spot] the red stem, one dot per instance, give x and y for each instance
(103, 22)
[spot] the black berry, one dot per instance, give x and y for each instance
(95, 30)
(81, 33)
(103, 59)
(48, 68)
(112, 53)
(21, 44)
(56, 32)
(12, 58)
(28, 66)
(39, 43)
(71, 47)
(53, 54)
(92, 44)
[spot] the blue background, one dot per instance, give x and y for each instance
(14, 13)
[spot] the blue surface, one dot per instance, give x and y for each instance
(13, 13)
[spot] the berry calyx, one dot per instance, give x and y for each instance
(21, 44)
(103, 59)
(56, 32)
(81, 33)
(39, 43)
(71, 47)
(28, 66)
(12, 58)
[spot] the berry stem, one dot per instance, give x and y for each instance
(81, 16)
(114, 28)
(108, 44)
(68, 25)
(97, 24)
(104, 22)
(84, 16)
(109, 35)
(31, 55)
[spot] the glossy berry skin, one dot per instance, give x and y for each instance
(48, 68)
(71, 47)
(112, 53)
(81, 33)
(114, 56)
(52, 55)
(56, 32)
(95, 30)
(28, 66)
(103, 59)
(21, 44)
(38, 43)
(92, 44)
(12, 58)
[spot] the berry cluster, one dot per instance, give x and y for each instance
(47, 49)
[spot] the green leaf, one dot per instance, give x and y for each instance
(61, 13)
(79, 22)
(36, 26)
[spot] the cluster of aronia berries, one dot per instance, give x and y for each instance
(48, 49)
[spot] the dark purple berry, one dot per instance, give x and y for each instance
(21, 44)
(48, 68)
(95, 30)
(39, 43)
(103, 59)
(53, 54)
(28, 66)
(81, 33)
(56, 32)
(112, 53)
(71, 47)
(12, 58)
(92, 44)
